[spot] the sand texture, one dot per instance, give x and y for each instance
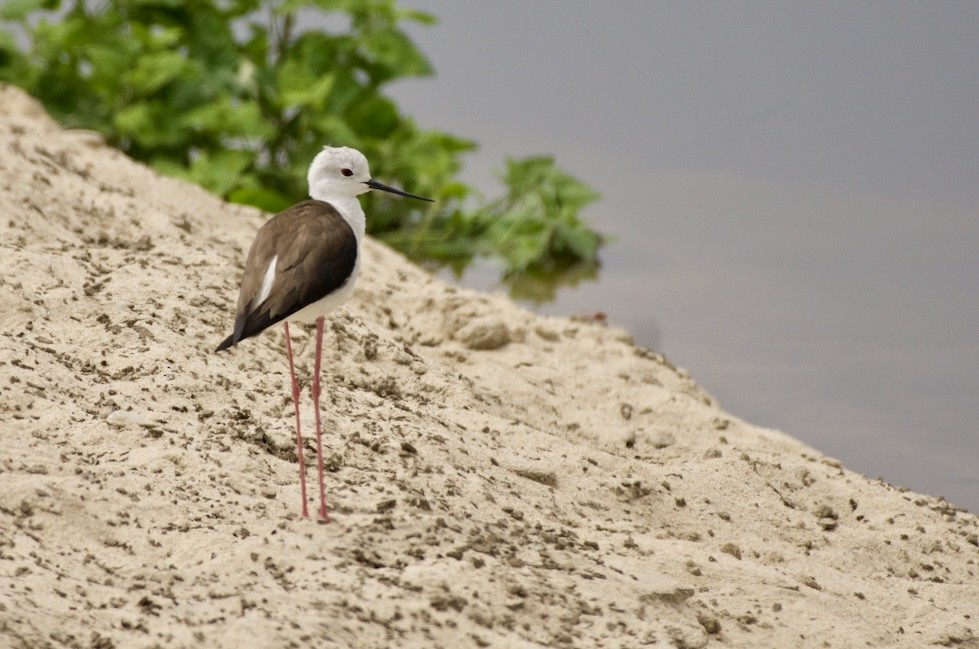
(498, 479)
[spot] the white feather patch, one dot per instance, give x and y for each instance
(266, 289)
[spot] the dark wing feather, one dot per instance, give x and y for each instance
(316, 250)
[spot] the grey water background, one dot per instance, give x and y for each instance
(793, 188)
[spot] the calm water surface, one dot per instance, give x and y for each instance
(794, 191)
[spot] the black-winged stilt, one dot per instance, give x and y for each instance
(302, 265)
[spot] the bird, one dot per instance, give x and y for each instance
(302, 265)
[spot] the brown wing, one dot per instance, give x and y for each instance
(315, 251)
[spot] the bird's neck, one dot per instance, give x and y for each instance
(351, 211)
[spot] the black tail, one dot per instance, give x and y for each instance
(249, 325)
(228, 342)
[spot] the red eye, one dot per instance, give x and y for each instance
(347, 172)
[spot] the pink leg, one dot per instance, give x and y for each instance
(299, 437)
(316, 404)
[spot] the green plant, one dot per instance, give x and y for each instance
(232, 95)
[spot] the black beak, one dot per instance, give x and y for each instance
(373, 184)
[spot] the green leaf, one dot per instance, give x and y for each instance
(17, 10)
(417, 16)
(354, 6)
(376, 116)
(221, 117)
(219, 171)
(155, 70)
(163, 4)
(151, 125)
(162, 38)
(8, 49)
(109, 62)
(335, 131)
(265, 199)
(298, 86)
(394, 50)
(171, 168)
(580, 242)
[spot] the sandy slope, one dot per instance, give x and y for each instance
(499, 479)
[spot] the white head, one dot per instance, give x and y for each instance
(338, 172)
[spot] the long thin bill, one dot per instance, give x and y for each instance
(373, 184)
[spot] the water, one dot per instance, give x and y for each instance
(793, 190)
